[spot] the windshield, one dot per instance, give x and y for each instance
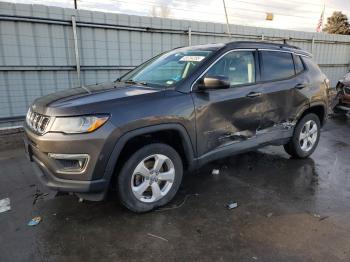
(167, 69)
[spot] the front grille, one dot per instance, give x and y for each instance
(37, 122)
(347, 90)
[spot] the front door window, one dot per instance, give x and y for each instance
(237, 66)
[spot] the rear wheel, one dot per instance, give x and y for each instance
(305, 138)
(150, 178)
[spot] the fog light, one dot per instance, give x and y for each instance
(70, 163)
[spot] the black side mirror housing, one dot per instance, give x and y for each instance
(214, 82)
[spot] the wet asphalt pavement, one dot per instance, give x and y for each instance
(288, 210)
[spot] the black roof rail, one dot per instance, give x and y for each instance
(280, 45)
(290, 46)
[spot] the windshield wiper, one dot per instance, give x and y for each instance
(130, 81)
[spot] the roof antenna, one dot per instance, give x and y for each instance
(227, 23)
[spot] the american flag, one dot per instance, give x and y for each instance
(320, 22)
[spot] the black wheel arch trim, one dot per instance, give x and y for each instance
(121, 142)
(317, 104)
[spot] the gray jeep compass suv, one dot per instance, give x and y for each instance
(176, 112)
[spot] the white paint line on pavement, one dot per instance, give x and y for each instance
(5, 205)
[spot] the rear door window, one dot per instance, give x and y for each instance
(299, 66)
(276, 65)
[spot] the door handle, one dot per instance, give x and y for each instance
(300, 86)
(254, 94)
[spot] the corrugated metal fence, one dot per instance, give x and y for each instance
(43, 49)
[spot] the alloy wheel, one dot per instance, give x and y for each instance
(308, 135)
(152, 178)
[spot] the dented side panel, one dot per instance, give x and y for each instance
(281, 103)
(227, 121)
(226, 116)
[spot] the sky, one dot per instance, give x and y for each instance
(301, 15)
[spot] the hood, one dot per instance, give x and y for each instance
(88, 95)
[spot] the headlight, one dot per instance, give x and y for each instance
(78, 124)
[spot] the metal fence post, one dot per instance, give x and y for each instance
(189, 36)
(76, 48)
(312, 45)
(227, 23)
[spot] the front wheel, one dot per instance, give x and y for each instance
(305, 137)
(150, 178)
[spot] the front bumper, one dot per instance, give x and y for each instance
(342, 103)
(48, 179)
(342, 100)
(90, 180)
(343, 107)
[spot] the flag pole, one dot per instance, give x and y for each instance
(324, 8)
(320, 22)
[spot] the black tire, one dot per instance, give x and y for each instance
(124, 188)
(293, 147)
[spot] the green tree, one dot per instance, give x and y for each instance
(337, 24)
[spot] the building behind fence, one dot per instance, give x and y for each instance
(45, 49)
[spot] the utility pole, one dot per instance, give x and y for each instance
(227, 24)
(75, 4)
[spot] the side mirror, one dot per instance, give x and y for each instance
(214, 82)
